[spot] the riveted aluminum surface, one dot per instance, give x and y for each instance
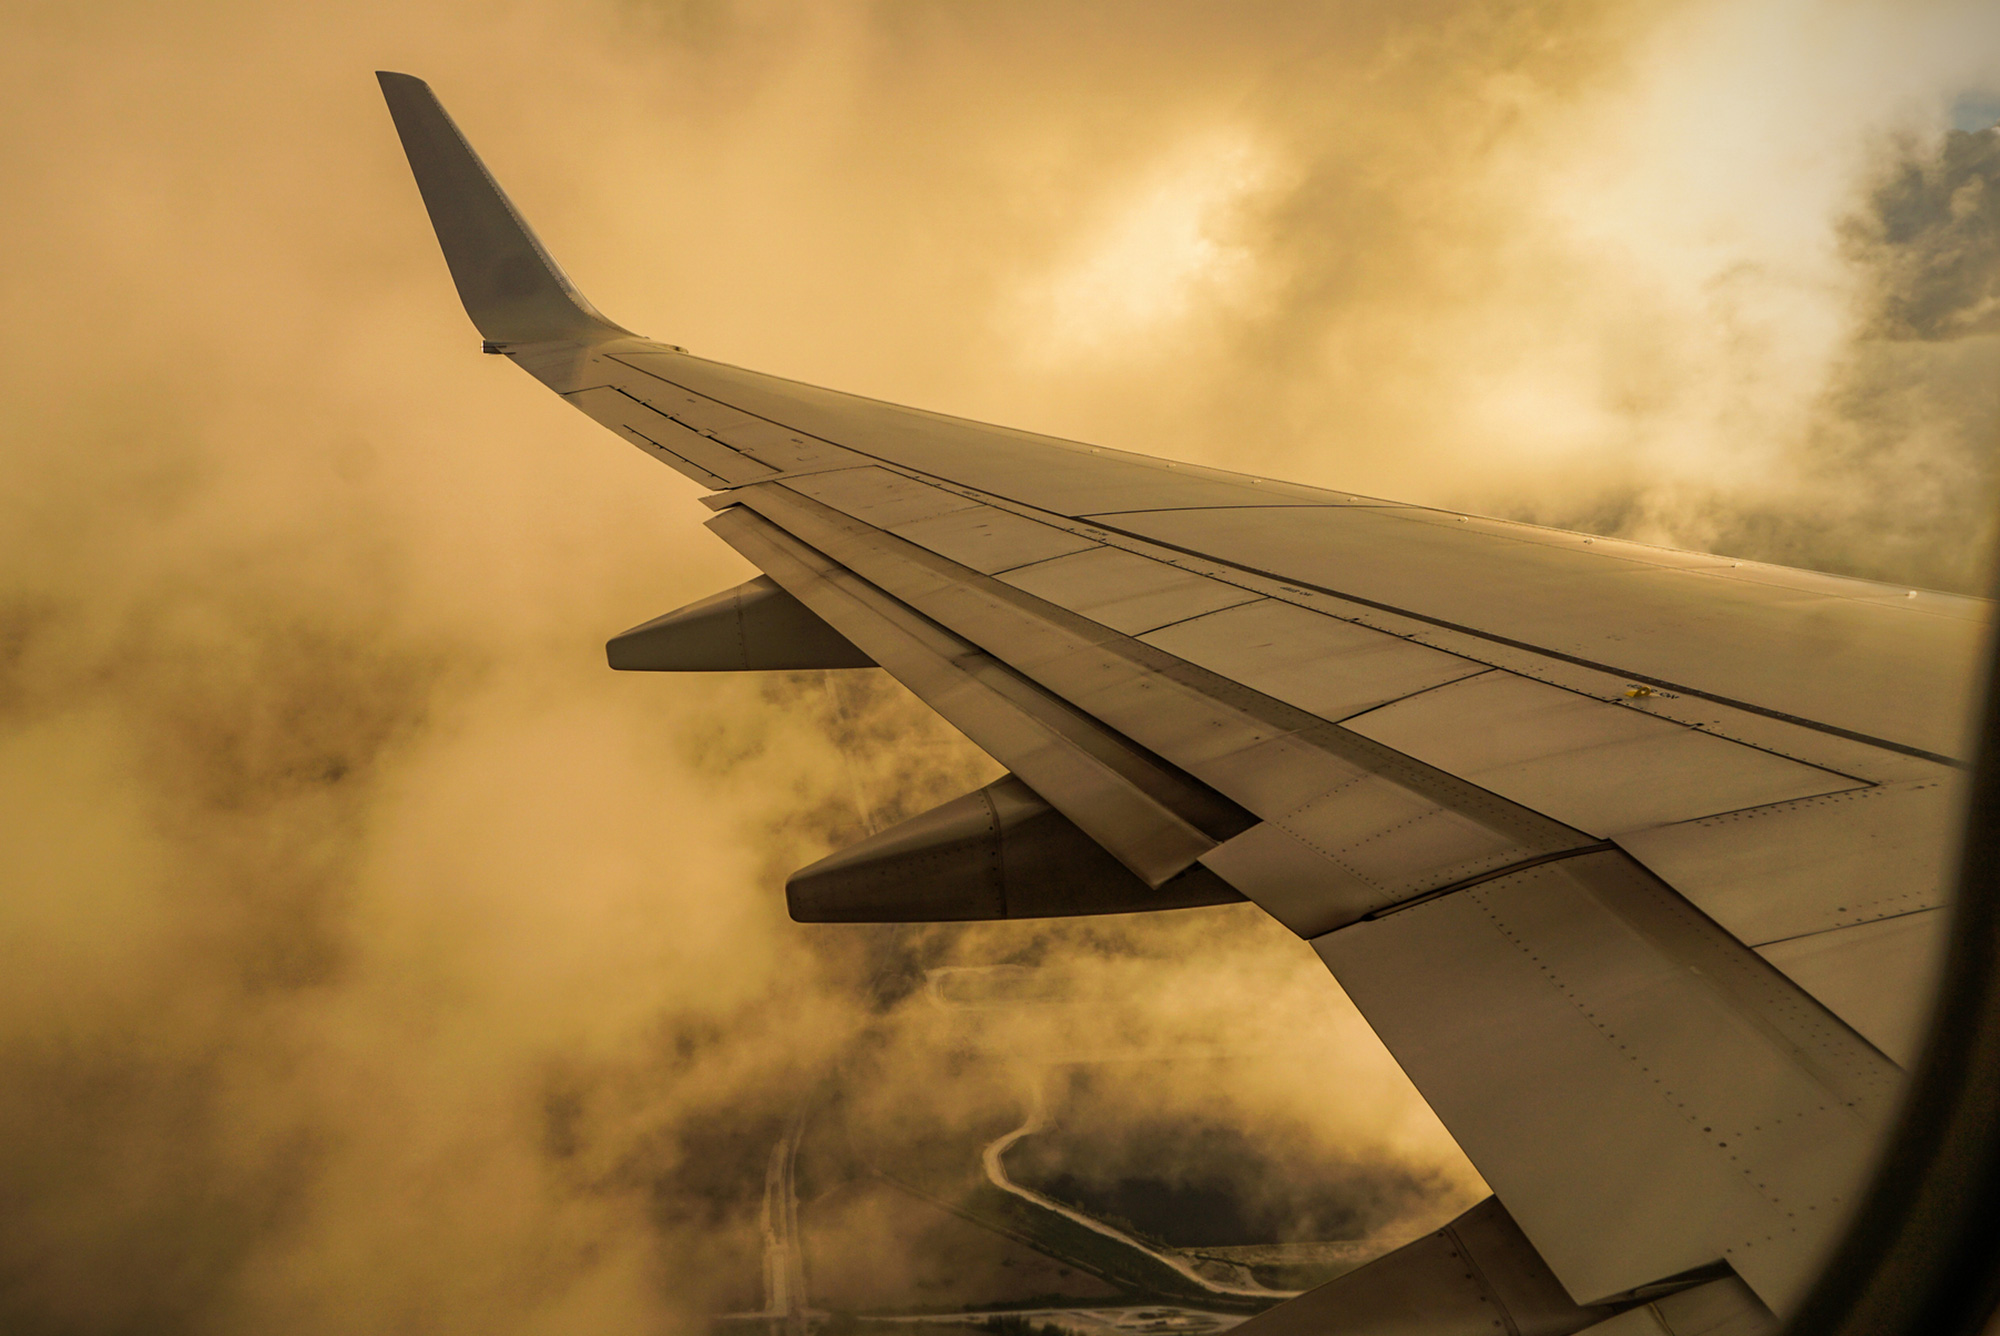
(1806, 882)
(1589, 764)
(1322, 665)
(1880, 977)
(988, 539)
(1362, 849)
(1598, 1046)
(650, 375)
(1363, 846)
(879, 497)
(1790, 869)
(1124, 591)
(709, 462)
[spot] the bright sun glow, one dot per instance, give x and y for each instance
(1157, 251)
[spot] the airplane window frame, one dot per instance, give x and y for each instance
(1922, 1253)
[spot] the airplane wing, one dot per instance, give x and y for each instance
(1632, 856)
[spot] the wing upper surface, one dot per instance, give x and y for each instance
(1534, 980)
(1882, 663)
(1421, 721)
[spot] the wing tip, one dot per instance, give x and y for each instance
(511, 287)
(388, 79)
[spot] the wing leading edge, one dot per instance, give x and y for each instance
(1630, 855)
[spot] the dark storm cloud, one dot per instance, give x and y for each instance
(1930, 239)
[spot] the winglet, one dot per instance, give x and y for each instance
(512, 289)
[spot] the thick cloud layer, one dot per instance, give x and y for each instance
(376, 959)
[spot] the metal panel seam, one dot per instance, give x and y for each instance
(1765, 711)
(1342, 747)
(1842, 927)
(982, 683)
(1229, 572)
(1478, 1274)
(1602, 846)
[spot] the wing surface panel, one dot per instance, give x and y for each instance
(1796, 868)
(1589, 1011)
(1203, 727)
(1046, 472)
(658, 434)
(1767, 731)
(881, 497)
(1876, 976)
(991, 540)
(1844, 662)
(1596, 766)
(1267, 756)
(1328, 692)
(1318, 663)
(1125, 591)
(1843, 892)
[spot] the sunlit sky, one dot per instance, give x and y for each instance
(339, 858)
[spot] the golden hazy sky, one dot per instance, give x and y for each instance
(341, 868)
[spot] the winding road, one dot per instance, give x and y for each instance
(996, 1173)
(784, 1258)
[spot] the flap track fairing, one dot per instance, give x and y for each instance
(756, 626)
(997, 853)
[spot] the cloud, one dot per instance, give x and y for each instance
(377, 959)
